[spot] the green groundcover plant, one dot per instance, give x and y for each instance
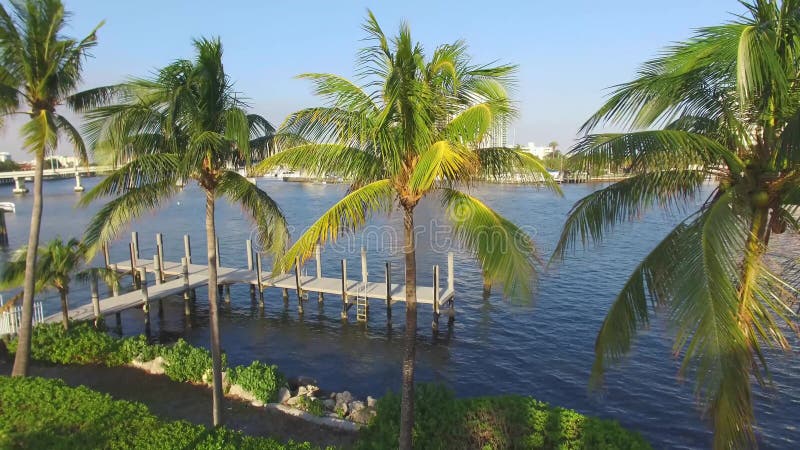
(84, 344)
(444, 421)
(504, 422)
(37, 413)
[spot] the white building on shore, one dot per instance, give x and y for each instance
(538, 151)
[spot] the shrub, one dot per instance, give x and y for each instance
(81, 344)
(46, 414)
(311, 405)
(444, 422)
(187, 363)
(260, 379)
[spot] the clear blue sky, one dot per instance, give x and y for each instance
(569, 52)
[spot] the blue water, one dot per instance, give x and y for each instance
(542, 347)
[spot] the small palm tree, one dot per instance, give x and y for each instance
(411, 131)
(724, 104)
(58, 262)
(39, 71)
(186, 123)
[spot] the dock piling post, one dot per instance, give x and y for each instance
(344, 289)
(435, 323)
(451, 286)
(227, 293)
(115, 292)
(134, 274)
(157, 268)
(297, 284)
(145, 298)
(389, 293)
(249, 245)
(185, 273)
(259, 280)
(187, 248)
(219, 258)
(95, 299)
(160, 252)
(135, 242)
(115, 286)
(106, 256)
(364, 280)
(318, 257)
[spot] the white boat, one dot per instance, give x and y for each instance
(8, 207)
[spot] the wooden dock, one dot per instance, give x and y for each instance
(157, 278)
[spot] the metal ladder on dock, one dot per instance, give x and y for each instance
(362, 305)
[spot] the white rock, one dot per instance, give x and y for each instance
(238, 391)
(154, 366)
(371, 402)
(356, 406)
(311, 389)
(344, 397)
(283, 395)
(362, 416)
(330, 404)
(293, 401)
(340, 407)
(302, 391)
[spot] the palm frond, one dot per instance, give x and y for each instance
(111, 219)
(347, 214)
(143, 171)
(597, 213)
(74, 137)
(496, 163)
(505, 252)
(445, 162)
(273, 231)
(653, 150)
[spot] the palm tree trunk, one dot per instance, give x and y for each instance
(216, 356)
(22, 358)
(64, 308)
(407, 399)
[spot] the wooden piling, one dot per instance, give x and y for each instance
(187, 248)
(185, 272)
(135, 243)
(451, 286)
(157, 268)
(95, 299)
(259, 280)
(106, 256)
(145, 298)
(297, 284)
(115, 285)
(3, 229)
(344, 289)
(318, 257)
(249, 246)
(388, 292)
(435, 324)
(134, 274)
(227, 293)
(160, 252)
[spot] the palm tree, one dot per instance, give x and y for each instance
(412, 130)
(723, 104)
(186, 123)
(39, 70)
(57, 263)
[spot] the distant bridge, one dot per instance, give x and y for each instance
(20, 176)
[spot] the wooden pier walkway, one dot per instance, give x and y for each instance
(157, 278)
